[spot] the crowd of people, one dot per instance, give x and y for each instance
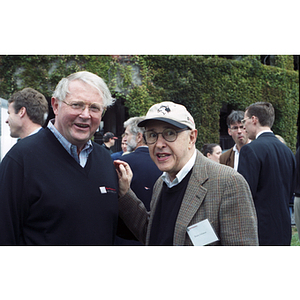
(58, 187)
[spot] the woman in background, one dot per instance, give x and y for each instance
(212, 151)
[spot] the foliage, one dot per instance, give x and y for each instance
(284, 62)
(295, 238)
(202, 83)
(145, 95)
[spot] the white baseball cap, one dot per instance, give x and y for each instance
(169, 112)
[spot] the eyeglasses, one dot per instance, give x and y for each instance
(244, 120)
(235, 128)
(80, 106)
(170, 135)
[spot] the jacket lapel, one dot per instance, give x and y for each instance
(193, 198)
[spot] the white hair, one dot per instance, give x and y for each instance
(62, 88)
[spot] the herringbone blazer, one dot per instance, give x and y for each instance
(214, 192)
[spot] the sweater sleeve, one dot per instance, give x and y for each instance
(11, 187)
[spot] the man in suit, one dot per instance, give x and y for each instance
(269, 168)
(239, 135)
(297, 192)
(145, 172)
(118, 154)
(192, 189)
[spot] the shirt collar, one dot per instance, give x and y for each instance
(35, 131)
(268, 130)
(181, 174)
(65, 143)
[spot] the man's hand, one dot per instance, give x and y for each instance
(125, 176)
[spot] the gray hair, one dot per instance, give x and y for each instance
(236, 116)
(133, 123)
(62, 88)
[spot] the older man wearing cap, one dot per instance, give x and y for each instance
(195, 201)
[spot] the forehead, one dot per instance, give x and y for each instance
(158, 125)
(236, 124)
(217, 149)
(11, 107)
(84, 91)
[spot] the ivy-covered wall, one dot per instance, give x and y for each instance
(202, 83)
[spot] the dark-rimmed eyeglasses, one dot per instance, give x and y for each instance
(170, 135)
(80, 106)
(236, 128)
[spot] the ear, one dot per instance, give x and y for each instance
(229, 132)
(254, 120)
(22, 112)
(55, 104)
(139, 138)
(193, 138)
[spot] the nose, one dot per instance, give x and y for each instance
(161, 142)
(86, 112)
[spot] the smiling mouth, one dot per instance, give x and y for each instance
(82, 125)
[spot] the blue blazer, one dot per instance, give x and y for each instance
(145, 173)
(269, 168)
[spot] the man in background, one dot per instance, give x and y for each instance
(269, 168)
(145, 171)
(27, 112)
(109, 141)
(118, 154)
(237, 131)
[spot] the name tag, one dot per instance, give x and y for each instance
(202, 233)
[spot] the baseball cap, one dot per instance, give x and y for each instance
(109, 135)
(169, 112)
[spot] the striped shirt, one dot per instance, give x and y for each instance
(72, 149)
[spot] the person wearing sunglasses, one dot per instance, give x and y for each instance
(58, 187)
(192, 193)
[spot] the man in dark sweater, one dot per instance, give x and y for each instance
(53, 191)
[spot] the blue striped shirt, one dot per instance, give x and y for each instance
(72, 149)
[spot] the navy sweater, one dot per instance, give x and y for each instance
(47, 198)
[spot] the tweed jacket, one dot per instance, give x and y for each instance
(214, 192)
(227, 158)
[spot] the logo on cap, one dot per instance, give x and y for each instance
(164, 109)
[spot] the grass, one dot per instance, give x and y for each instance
(295, 239)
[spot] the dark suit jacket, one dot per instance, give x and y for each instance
(145, 173)
(214, 192)
(269, 167)
(227, 158)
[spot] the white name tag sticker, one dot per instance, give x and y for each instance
(202, 233)
(102, 189)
